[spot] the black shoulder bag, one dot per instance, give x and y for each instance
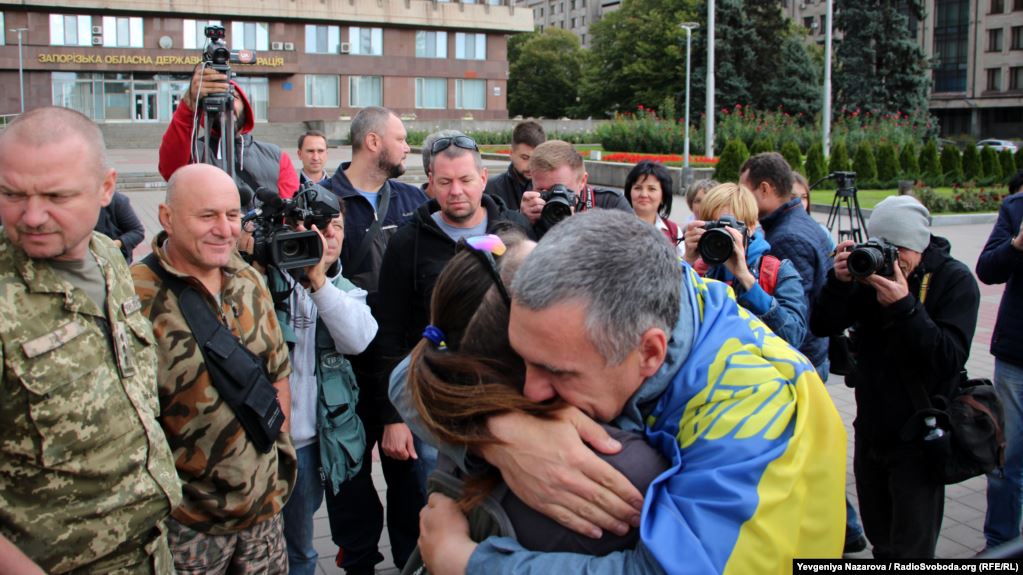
(237, 373)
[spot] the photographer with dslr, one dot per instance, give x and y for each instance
(560, 189)
(913, 327)
(731, 249)
(257, 164)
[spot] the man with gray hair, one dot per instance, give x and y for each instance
(86, 476)
(641, 341)
(427, 143)
(376, 204)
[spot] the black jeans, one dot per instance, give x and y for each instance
(901, 502)
(357, 517)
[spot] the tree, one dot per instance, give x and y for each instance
(992, 167)
(865, 165)
(790, 151)
(762, 144)
(1008, 165)
(973, 170)
(732, 158)
(815, 168)
(930, 164)
(879, 64)
(952, 164)
(909, 162)
(838, 161)
(795, 86)
(887, 165)
(1019, 159)
(543, 78)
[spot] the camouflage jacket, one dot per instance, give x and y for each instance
(84, 466)
(229, 485)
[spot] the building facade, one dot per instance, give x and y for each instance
(121, 61)
(575, 16)
(976, 52)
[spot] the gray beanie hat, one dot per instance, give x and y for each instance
(903, 221)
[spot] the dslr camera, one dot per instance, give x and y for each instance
(276, 243)
(873, 257)
(559, 202)
(715, 244)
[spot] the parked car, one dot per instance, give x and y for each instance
(997, 145)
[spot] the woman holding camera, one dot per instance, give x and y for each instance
(770, 288)
(648, 190)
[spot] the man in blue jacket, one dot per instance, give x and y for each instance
(376, 204)
(1001, 261)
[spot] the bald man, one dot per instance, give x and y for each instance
(86, 476)
(230, 519)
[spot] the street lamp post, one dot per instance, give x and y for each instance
(709, 148)
(687, 174)
(21, 67)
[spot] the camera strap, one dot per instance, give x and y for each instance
(378, 222)
(237, 373)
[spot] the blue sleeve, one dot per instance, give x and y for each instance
(398, 394)
(787, 310)
(998, 260)
(502, 555)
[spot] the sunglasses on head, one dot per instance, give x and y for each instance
(464, 142)
(486, 248)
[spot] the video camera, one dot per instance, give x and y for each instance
(559, 203)
(217, 54)
(873, 257)
(716, 244)
(846, 181)
(276, 242)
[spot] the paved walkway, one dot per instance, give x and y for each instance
(965, 503)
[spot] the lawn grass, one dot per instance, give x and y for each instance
(868, 198)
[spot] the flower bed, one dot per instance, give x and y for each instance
(632, 158)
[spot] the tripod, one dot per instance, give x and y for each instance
(218, 142)
(845, 200)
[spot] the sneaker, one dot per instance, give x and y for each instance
(339, 559)
(855, 546)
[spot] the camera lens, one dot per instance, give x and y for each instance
(291, 248)
(715, 246)
(865, 261)
(555, 211)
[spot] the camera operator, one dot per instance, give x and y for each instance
(257, 164)
(553, 163)
(914, 320)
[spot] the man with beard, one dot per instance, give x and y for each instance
(375, 205)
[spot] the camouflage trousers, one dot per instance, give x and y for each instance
(147, 555)
(258, 549)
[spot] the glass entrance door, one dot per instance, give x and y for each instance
(145, 106)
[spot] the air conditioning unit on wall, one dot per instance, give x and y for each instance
(345, 47)
(97, 40)
(97, 30)
(276, 45)
(289, 46)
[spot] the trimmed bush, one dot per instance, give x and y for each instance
(887, 165)
(1019, 159)
(952, 164)
(838, 161)
(992, 167)
(761, 145)
(815, 168)
(973, 170)
(930, 164)
(732, 158)
(1008, 165)
(865, 165)
(909, 162)
(790, 151)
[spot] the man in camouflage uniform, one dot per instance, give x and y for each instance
(86, 476)
(230, 518)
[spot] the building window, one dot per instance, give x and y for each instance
(122, 32)
(367, 41)
(195, 32)
(1016, 78)
(3, 30)
(250, 36)
(1017, 38)
(470, 46)
(258, 91)
(471, 94)
(997, 6)
(994, 79)
(1017, 5)
(431, 44)
(822, 24)
(70, 30)
(994, 40)
(322, 91)
(322, 39)
(432, 93)
(808, 23)
(365, 91)
(951, 41)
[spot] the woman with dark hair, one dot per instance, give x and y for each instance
(464, 371)
(648, 189)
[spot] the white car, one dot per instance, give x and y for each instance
(997, 145)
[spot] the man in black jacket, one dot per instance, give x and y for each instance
(510, 185)
(912, 328)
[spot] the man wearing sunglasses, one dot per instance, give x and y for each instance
(375, 205)
(420, 250)
(556, 162)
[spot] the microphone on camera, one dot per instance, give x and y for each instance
(245, 194)
(268, 198)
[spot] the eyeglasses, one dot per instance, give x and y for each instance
(486, 248)
(464, 142)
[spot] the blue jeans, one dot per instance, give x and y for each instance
(298, 512)
(426, 463)
(1005, 485)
